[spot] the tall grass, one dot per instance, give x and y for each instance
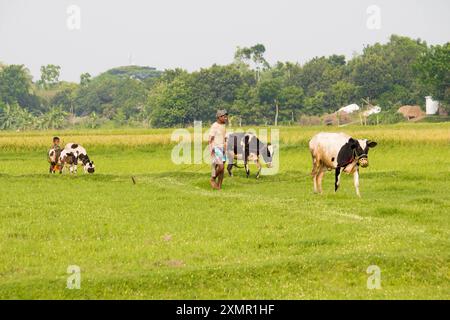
(402, 134)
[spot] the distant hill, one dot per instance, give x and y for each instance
(135, 72)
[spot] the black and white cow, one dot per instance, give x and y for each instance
(247, 147)
(73, 153)
(341, 152)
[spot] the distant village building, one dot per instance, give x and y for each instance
(431, 106)
(372, 110)
(350, 108)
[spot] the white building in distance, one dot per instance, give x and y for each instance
(431, 106)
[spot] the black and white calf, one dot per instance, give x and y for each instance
(73, 153)
(341, 152)
(247, 147)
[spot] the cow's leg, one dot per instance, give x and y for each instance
(356, 181)
(258, 165)
(315, 170)
(247, 170)
(73, 168)
(230, 159)
(314, 174)
(337, 179)
(319, 179)
(229, 168)
(315, 182)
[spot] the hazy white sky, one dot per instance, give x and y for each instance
(197, 33)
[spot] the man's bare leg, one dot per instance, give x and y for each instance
(213, 182)
(221, 174)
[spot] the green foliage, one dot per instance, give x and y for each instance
(16, 87)
(49, 76)
(55, 118)
(342, 92)
(401, 71)
(85, 78)
(64, 96)
(254, 54)
(434, 71)
(171, 103)
(107, 94)
(385, 117)
(13, 117)
(135, 72)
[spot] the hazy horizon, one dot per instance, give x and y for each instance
(197, 33)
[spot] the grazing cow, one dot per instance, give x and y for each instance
(247, 147)
(72, 153)
(341, 152)
(53, 159)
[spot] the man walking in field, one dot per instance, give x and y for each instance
(217, 145)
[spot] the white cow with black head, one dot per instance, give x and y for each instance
(73, 153)
(341, 152)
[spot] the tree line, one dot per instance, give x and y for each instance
(401, 71)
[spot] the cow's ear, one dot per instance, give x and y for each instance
(270, 149)
(353, 143)
(371, 144)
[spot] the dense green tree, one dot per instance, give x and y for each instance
(16, 87)
(254, 54)
(401, 71)
(314, 105)
(213, 88)
(64, 96)
(171, 103)
(343, 92)
(85, 78)
(55, 118)
(291, 101)
(269, 91)
(49, 75)
(372, 75)
(434, 71)
(13, 117)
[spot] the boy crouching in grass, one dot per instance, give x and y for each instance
(217, 145)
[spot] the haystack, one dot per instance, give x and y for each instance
(412, 113)
(336, 118)
(442, 112)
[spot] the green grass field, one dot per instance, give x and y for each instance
(170, 237)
